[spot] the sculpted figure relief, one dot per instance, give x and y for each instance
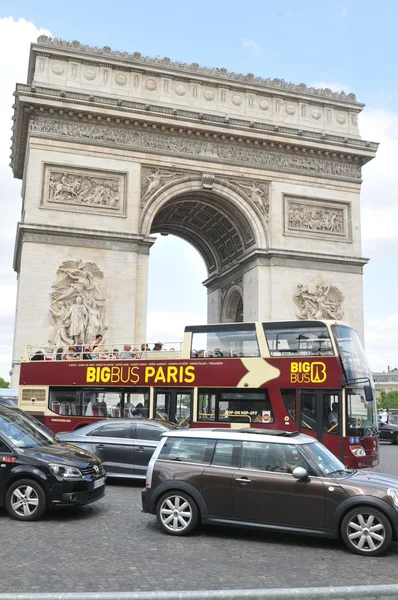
(258, 192)
(315, 218)
(70, 188)
(153, 180)
(78, 303)
(318, 300)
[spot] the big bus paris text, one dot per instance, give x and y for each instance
(308, 376)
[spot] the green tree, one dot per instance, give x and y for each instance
(4, 383)
(389, 399)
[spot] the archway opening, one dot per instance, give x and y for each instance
(220, 233)
(176, 294)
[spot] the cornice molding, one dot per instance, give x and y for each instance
(193, 69)
(74, 236)
(252, 153)
(184, 115)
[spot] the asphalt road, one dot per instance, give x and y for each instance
(111, 546)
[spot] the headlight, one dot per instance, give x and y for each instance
(393, 495)
(65, 472)
(357, 451)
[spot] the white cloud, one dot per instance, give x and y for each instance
(251, 46)
(381, 342)
(15, 39)
(331, 85)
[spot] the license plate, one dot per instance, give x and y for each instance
(99, 482)
(374, 463)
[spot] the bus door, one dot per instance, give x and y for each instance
(320, 415)
(173, 404)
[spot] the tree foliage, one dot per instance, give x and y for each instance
(389, 399)
(4, 383)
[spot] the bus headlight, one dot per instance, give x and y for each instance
(393, 495)
(357, 451)
(65, 472)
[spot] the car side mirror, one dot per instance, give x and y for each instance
(300, 473)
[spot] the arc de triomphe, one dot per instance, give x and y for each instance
(261, 176)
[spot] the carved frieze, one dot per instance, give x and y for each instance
(322, 219)
(319, 299)
(177, 145)
(77, 304)
(96, 191)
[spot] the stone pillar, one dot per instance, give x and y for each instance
(141, 295)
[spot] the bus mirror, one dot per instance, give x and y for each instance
(368, 393)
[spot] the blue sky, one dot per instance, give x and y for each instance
(350, 44)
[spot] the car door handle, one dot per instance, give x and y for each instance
(141, 449)
(101, 446)
(243, 480)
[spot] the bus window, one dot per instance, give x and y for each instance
(331, 413)
(308, 410)
(223, 341)
(101, 403)
(289, 399)
(65, 402)
(298, 340)
(241, 406)
(206, 406)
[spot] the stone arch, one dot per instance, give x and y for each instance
(232, 305)
(219, 220)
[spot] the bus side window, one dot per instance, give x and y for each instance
(331, 418)
(308, 410)
(289, 399)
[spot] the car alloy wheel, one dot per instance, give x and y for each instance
(177, 513)
(366, 530)
(25, 500)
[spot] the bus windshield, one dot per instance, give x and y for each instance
(361, 414)
(352, 354)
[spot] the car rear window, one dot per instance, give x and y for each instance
(187, 450)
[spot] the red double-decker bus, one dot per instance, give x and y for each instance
(310, 376)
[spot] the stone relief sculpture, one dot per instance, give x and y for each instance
(78, 303)
(173, 145)
(258, 192)
(84, 190)
(152, 180)
(315, 218)
(318, 300)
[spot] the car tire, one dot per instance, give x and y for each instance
(25, 500)
(177, 513)
(366, 530)
(395, 440)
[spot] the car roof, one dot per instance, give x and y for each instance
(245, 434)
(117, 421)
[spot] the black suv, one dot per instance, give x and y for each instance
(37, 472)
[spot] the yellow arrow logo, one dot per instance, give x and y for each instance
(258, 373)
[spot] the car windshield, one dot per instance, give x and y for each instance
(322, 460)
(21, 432)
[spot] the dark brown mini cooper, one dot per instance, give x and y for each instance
(271, 480)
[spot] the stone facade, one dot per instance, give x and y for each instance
(261, 176)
